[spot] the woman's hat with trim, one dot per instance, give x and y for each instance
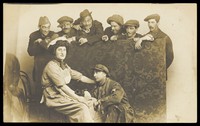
(59, 43)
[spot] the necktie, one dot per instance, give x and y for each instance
(62, 65)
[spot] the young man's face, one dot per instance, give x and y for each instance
(45, 29)
(153, 25)
(99, 76)
(131, 30)
(87, 22)
(61, 52)
(66, 26)
(115, 27)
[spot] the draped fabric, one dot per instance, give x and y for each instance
(142, 73)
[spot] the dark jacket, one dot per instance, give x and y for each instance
(39, 50)
(72, 33)
(109, 33)
(124, 36)
(95, 34)
(169, 47)
(110, 93)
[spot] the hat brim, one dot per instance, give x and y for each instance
(100, 70)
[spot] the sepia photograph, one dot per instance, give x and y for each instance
(100, 63)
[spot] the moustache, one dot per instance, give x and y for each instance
(66, 28)
(151, 27)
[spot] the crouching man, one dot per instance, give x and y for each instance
(112, 103)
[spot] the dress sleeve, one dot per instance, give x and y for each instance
(75, 74)
(55, 75)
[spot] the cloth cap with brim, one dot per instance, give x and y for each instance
(116, 18)
(63, 19)
(153, 16)
(100, 67)
(43, 20)
(85, 13)
(52, 48)
(134, 23)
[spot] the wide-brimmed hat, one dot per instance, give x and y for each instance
(100, 67)
(116, 18)
(85, 13)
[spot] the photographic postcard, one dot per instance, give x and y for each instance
(178, 21)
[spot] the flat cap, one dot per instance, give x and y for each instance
(132, 23)
(153, 16)
(43, 20)
(64, 18)
(116, 18)
(100, 67)
(85, 13)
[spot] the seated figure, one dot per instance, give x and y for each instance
(112, 103)
(56, 92)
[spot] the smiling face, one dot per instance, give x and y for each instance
(61, 52)
(131, 30)
(153, 24)
(66, 26)
(115, 27)
(45, 29)
(99, 76)
(87, 22)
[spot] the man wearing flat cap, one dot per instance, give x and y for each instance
(153, 26)
(89, 31)
(151, 73)
(131, 27)
(112, 103)
(37, 47)
(66, 24)
(155, 31)
(116, 28)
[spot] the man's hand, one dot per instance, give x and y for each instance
(47, 40)
(98, 106)
(148, 37)
(105, 38)
(138, 44)
(87, 95)
(77, 27)
(38, 40)
(136, 39)
(82, 41)
(96, 103)
(83, 100)
(113, 38)
(71, 39)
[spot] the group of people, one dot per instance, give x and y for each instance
(108, 102)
